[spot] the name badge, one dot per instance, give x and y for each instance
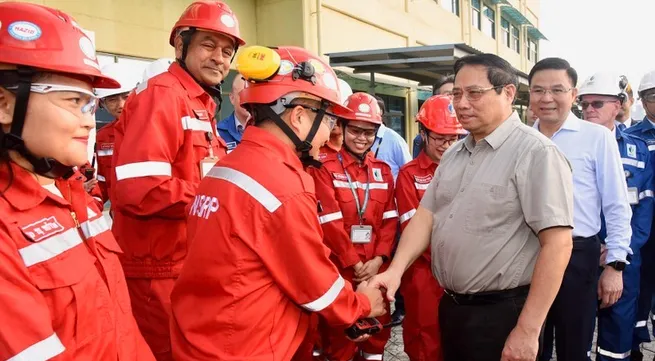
(206, 165)
(633, 195)
(361, 234)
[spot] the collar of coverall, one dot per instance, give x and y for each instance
(25, 191)
(192, 87)
(424, 161)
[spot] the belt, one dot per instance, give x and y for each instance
(486, 298)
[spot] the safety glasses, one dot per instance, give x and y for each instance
(87, 101)
(329, 117)
(596, 104)
(357, 131)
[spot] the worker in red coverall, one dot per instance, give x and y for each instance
(257, 269)
(335, 142)
(62, 289)
(439, 129)
(358, 216)
(112, 101)
(167, 143)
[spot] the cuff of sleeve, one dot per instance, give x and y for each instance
(365, 306)
(349, 259)
(617, 255)
(540, 225)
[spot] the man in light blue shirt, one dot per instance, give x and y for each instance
(390, 147)
(599, 186)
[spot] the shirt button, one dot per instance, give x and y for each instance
(471, 162)
(462, 190)
(450, 216)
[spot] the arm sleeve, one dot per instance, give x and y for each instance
(545, 185)
(386, 235)
(642, 214)
(614, 198)
(298, 262)
(406, 198)
(144, 182)
(429, 197)
(331, 219)
(26, 332)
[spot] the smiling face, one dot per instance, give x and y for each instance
(552, 95)
(208, 57)
(359, 136)
(55, 126)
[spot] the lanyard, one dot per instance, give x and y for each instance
(360, 208)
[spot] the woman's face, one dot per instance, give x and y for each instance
(359, 136)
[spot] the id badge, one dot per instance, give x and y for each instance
(633, 195)
(206, 165)
(361, 234)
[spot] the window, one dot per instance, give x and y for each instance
(505, 32)
(451, 5)
(489, 22)
(532, 50)
(475, 14)
(516, 45)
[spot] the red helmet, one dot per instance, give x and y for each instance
(272, 73)
(362, 107)
(211, 15)
(48, 39)
(437, 114)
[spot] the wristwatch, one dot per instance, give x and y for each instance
(617, 265)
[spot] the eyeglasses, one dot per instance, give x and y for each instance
(442, 140)
(596, 104)
(329, 117)
(357, 131)
(89, 102)
(555, 91)
(473, 94)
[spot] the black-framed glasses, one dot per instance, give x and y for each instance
(442, 140)
(329, 117)
(472, 94)
(357, 131)
(596, 104)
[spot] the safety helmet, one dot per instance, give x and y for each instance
(605, 83)
(211, 15)
(344, 90)
(125, 76)
(40, 37)
(275, 77)
(437, 115)
(36, 38)
(361, 107)
(647, 82)
(155, 68)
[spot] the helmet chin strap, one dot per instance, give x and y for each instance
(13, 140)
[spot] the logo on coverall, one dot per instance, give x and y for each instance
(203, 206)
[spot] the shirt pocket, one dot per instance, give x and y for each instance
(487, 208)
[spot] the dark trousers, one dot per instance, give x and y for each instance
(573, 313)
(477, 331)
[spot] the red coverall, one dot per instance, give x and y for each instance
(338, 214)
(167, 128)
(62, 289)
(104, 151)
(257, 267)
(422, 292)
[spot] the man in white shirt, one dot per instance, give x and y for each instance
(599, 186)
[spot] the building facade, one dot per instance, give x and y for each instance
(137, 31)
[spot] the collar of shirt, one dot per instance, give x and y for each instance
(25, 191)
(572, 123)
(238, 124)
(349, 159)
(381, 131)
(424, 161)
(190, 85)
(497, 137)
(650, 124)
(274, 146)
(627, 123)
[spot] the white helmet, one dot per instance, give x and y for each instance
(156, 67)
(124, 74)
(344, 90)
(605, 83)
(647, 82)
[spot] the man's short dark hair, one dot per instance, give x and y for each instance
(381, 103)
(499, 71)
(449, 79)
(555, 64)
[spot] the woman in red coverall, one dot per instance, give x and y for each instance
(358, 214)
(439, 129)
(63, 294)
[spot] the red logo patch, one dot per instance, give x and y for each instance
(340, 176)
(424, 179)
(42, 229)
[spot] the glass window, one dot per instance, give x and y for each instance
(489, 22)
(532, 50)
(451, 5)
(505, 32)
(475, 14)
(516, 45)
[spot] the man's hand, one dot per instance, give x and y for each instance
(369, 269)
(88, 185)
(610, 287)
(374, 295)
(358, 266)
(603, 255)
(389, 280)
(521, 345)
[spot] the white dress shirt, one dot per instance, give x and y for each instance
(598, 183)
